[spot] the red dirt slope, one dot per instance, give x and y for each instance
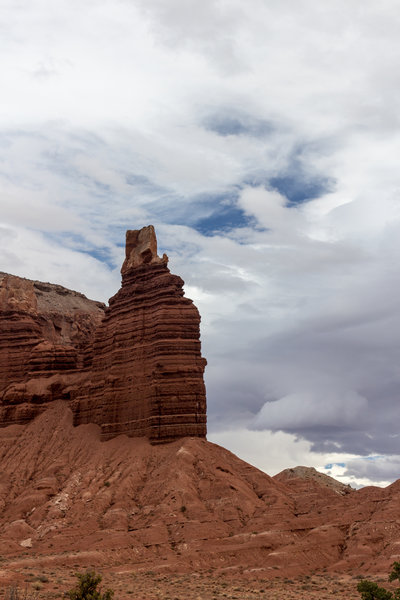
(187, 505)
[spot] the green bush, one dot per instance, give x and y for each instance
(372, 591)
(395, 574)
(87, 588)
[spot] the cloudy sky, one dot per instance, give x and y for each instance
(262, 139)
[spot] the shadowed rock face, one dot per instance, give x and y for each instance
(46, 334)
(133, 368)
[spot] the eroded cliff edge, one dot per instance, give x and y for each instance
(134, 367)
(46, 336)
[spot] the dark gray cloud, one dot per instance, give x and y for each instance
(374, 468)
(333, 380)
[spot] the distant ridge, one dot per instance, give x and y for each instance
(309, 474)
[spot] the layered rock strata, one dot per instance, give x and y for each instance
(133, 368)
(147, 371)
(46, 336)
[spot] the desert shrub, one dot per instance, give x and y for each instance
(395, 574)
(87, 588)
(370, 590)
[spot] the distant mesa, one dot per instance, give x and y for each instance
(132, 368)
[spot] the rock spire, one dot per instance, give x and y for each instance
(147, 371)
(132, 368)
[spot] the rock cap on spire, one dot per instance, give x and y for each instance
(141, 249)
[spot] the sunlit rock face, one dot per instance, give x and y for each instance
(133, 368)
(147, 372)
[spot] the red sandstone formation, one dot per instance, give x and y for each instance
(147, 372)
(66, 498)
(305, 478)
(46, 333)
(135, 368)
(358, 529)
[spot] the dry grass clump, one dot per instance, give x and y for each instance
(13, 592)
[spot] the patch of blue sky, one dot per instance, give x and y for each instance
(222, 220)
(298, 182)
(336, 464)
(297, 188)
(77, 242)
(208, 214)
(102, 255)
(294, 183)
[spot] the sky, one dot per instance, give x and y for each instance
(262, 140)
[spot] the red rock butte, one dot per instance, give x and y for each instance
(70, 496)
(132, 368)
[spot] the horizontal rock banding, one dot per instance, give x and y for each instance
(46, 334)
(134, 368)
(147, 372)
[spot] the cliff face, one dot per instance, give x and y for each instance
(45, 345)
(134, 367)
(147, 372)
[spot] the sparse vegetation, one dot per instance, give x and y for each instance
(86, 588)
(15, 593)
(370, 590)
(395, 573)
(207, 585)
